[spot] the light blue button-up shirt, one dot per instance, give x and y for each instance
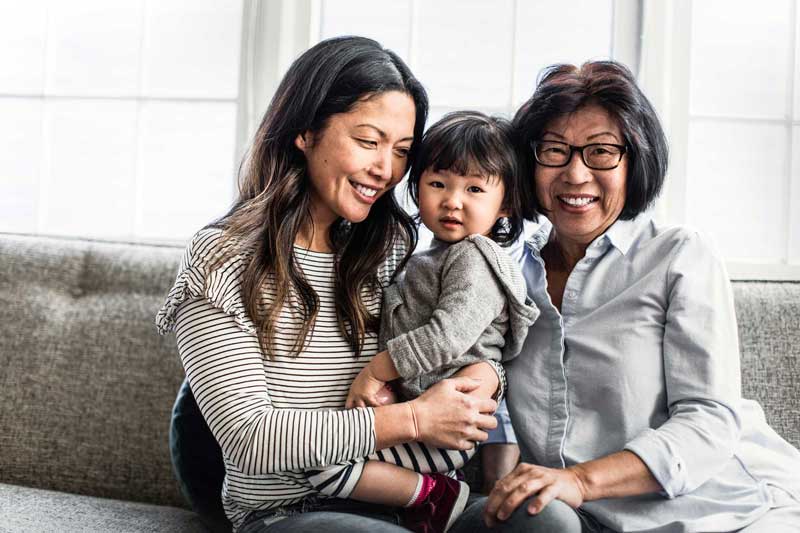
(644, 357)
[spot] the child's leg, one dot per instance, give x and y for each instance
(386, 484)
(486, 374)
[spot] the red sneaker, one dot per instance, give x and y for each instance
(440, 509)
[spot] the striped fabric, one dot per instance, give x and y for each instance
(280, 420)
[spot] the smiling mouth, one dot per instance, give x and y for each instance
(578, 201)
(369, 192)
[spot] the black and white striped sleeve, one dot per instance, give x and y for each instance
(225, 369)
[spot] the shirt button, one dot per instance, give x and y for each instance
(572, 294)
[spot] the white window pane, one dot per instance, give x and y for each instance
(93, 47)
(797, 64)
(553, 31)
(20, 156)
(464, 57)
(737, 187)
(386, 21)
(186, 167)
(89, 176)
(22, 38)
(192, 48)
(740, 58)
(794, 199)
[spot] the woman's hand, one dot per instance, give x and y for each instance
(447, 417)
(527, 480)
(366, 390)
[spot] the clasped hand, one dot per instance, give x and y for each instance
(526, 480)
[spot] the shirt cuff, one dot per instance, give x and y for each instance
(504, 432)
(662, 459)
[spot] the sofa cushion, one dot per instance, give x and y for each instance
(768, 314)
(34, 510)
(87, 384)
(197, 460)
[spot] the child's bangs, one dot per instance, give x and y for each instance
(471, 155)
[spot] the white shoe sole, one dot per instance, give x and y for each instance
(459, 505)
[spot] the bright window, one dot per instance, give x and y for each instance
(117, 119)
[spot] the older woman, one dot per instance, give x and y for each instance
(626, 398)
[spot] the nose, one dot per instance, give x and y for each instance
(451, 201)
(576, 172)
(382, 166)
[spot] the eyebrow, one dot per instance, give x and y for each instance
(380, 132)
(589, 138)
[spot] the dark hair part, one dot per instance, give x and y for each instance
(563, 89)
(274, 199)
(466, 142)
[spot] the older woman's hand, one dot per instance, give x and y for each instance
(527, 480)
(447, 417)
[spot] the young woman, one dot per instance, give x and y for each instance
(276, 306)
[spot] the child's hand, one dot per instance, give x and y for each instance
(364, 392)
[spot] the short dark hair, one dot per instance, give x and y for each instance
(563, 89)
(469, 141)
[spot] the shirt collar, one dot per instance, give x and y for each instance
(620, 235)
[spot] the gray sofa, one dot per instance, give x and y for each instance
(87, 385)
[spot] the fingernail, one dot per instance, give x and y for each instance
(502, 516)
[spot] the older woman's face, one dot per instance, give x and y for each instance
(580, 202)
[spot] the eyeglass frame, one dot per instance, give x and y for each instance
(623, 149)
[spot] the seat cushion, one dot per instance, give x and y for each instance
(34, 510)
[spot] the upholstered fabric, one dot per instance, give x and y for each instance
(768, 314)
(26, 510)
(87, 384)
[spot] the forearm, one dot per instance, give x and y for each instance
(382, 367)
(394, 424)
(615, 476)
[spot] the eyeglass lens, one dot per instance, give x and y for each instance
(596, 156)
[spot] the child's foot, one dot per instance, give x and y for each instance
(443, 505)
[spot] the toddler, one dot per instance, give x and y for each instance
(457, 305)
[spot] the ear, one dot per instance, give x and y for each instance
(503, 213)
(303, 141)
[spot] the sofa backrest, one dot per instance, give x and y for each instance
(86, 383)
(87, 386)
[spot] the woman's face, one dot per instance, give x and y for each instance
(580, 202)
(358, 157)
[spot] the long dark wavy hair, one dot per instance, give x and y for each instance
(274, 201)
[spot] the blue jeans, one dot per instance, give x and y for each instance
(557, 517)
(334, 515)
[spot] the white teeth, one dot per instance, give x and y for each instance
(577, 202)
(366, 191)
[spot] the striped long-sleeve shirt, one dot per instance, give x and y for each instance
(273, 418)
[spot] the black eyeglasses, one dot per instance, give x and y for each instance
(597, 156)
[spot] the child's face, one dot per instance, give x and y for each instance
(454, 206)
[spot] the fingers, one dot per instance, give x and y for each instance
(545, 496)
(465, 384)
(486, 406)
(486, 422)
(511, 491)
